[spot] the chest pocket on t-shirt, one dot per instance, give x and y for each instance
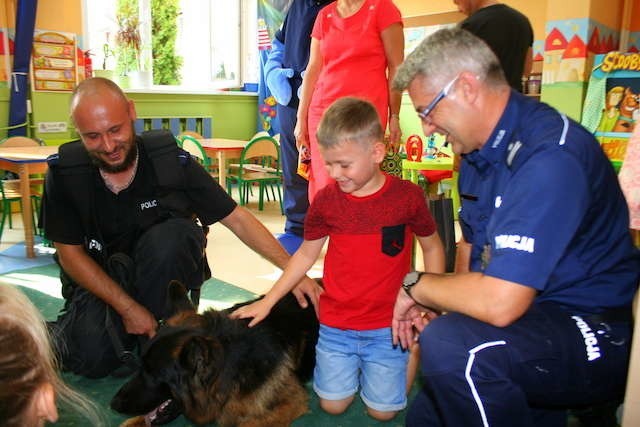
(393, 239)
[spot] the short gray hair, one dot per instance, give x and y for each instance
(446, 53)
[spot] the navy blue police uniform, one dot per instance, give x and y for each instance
(295, 35)
(541, 207)
(143, 237)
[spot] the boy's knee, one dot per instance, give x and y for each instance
(335, 407)
(381, 415)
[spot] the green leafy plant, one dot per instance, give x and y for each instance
(107, 53)
(128, 38)
(166, 64)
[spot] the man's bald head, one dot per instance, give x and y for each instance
(96, 88)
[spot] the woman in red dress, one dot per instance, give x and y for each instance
(356, 47)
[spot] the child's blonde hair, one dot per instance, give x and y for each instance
(350, 119)
(27, 362)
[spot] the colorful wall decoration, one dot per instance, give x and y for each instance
(54, 61)
(6, 57)
(271, 13)
(570, 46)
(612, 106)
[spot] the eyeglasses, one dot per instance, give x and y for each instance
(439, 97)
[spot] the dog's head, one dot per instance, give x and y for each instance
(181, 363)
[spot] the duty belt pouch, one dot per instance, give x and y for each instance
(442, 212)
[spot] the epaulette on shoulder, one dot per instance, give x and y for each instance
(183, 156)
(53, 160)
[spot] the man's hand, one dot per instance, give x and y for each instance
(257, 311)
(406, 315)
(311, 289)
(138, 320)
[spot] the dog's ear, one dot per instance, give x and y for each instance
(178, 299)
(202, 358)
(200, 389)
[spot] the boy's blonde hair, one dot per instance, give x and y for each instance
(27, 361)
(350, 119)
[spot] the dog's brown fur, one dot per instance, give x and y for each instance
(220, 370)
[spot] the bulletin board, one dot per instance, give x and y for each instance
(54, 61)
(612, 104)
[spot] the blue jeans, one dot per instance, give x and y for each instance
(347, 360)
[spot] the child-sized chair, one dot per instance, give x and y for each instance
(259, 163)
(10, 193)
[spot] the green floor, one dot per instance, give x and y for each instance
(41, 285)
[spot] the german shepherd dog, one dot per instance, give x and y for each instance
(216, 369)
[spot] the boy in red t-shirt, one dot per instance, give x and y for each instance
(370, 219)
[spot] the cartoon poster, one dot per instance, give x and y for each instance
(612, 105)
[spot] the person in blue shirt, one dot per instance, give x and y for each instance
(536, 318)
(283, 71)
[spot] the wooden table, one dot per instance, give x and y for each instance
(220, 148)
(26, 161)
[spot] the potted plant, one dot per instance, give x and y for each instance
(128, 40)
(107, 52)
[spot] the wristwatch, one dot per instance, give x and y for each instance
(409, 280)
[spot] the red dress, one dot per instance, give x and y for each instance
(354, 63)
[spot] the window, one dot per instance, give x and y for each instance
(215, 38)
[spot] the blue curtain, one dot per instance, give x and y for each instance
(19, 80)
(271, 13)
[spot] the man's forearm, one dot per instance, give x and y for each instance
(256, 236)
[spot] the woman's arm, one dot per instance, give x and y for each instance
(311, 75)
(393, 41)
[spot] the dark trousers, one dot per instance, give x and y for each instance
(526, 374)
(295, 200)
(170, 250)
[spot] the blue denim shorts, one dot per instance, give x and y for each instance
(347, 360)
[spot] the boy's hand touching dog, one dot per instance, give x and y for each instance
(257, 311)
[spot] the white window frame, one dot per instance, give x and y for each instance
(247, 59)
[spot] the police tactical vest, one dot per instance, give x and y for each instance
(73, 166)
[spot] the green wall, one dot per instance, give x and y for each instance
(234, 115)
(4, 111)
(562, 96)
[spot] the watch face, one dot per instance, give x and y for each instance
(411, 278)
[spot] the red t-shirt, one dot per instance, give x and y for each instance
(369, 252)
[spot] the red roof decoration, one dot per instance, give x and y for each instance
(555, 41)
(594, 42)
(610, 44)
(575, 49)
